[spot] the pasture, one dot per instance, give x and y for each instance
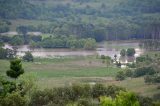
(65, 71)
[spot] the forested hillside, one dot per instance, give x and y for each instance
(99, 19)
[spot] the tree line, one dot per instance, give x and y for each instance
(136, 20)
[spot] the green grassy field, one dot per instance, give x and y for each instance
(66, 71)
(67, 67)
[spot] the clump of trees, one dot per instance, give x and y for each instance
(128, 52)
(7, 53)
(68, 42)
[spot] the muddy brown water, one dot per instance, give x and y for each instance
(108, 49)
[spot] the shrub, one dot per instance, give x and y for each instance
(156, 96)
(140, 59)
(152, 79)
(6, 86)
(148, 79)
(28, 57)
(98, 90)
(128, 73)
(145, 101)
(144, 71)
(120, 76)
(131, 65)
(84, 102)
(123, 52)
(113, 90)
(13, 99)
(118, 64)
(103, 56)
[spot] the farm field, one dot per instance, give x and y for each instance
(65, 71)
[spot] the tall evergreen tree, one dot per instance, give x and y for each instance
(15, 68)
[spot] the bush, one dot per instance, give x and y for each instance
(120, 76)
(6, 86)
(113, 90)
(145, 101)
(13, 99)
(84, 102)
(140, 59)
(144, 71)
(103, 56)
(152, 79)
(118, 64)
(156, 96)
(28, 57)
(148, 79)
(123, 52)
(40, 98)
(131, 65)
(128, 73)
(98, 90)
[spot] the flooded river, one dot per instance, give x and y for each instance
(105, 48)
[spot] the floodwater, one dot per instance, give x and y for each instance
(107, 49)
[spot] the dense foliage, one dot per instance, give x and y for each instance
(68, 42)
(65, 95)
(122, 99)
(101, 20)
